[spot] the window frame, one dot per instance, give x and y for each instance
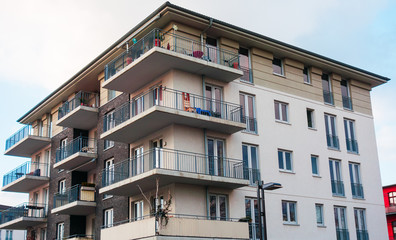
(335, 167)
(284, 159)
(245, 112)
(308, 74)
(278, 107)
(316, 157)
(350, 135)
(311, 112)
(252, 175)
(217, 207)
(281, 66)
(60, 230)
(331, 131)
(111, 94)
(321, 207)
(288, 212)
(392, 197)
(62, 186)
(108, 217)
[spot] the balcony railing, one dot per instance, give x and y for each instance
(75, 193)
(33, 210)
(28, 168)
(247, 74)
(347, 102)
(80, 99)
(332, 141)
(80, 237)
(172, 99)
(362, 235)
(79, 144)
(328, 97)
(352, 145)
(251, 124)
(28, 130)
(254, 231)
(160, 158)
(174, 43)
(342, 234)
(390, 210)
(357, 190)
(337, 188)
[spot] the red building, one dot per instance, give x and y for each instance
(390, 208)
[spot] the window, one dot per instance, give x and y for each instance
(285, 160)
(356, 184)
(331, 132)
(60, 230)
(392, 198)
(310, 118)
(50, 126)
(8, 234)
(108, 144)
(108, 218)
(245, 65)
(394, 229)
(250, 163)
(341, 223)
(138, 210)
(138, 161)
(108, 121)
(63, 148)
(277, 66)
(337, 185)
(289, 212)
(62, 186)
(111, 94)
(43, 234)
(218, 207)
(281, 111)
(351, 142)
(315, 165)
(214, 96)
(248, 112)
(346, 99)
(327, 94)
(252, 213)
(109, 172)
(161, 203)
(360, 223)
(216, 156)
(306, 75)
(319, 214)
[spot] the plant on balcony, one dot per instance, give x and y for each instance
(245, 219)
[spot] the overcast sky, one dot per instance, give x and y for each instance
(44, 43)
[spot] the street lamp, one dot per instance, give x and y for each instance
(261, 205)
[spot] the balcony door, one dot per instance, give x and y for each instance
(250, 163)
(252, 213)
(63, 145)
(211, 50)
(216, 156)
(341, 223)
(158, 153)
(137, 162)
(218, 207)
(214, 96)
(157, 96)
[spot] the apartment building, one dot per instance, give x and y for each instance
(390, 209)
(166, 133)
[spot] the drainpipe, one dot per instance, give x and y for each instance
(204, 31)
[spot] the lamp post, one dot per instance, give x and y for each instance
(261, 205)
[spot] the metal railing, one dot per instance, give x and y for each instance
(80, 99)
(332, 141)
(342, 234)
(337, 188)
(254, 231)
(174, 43)
(27, 168)
(79, 144)
(357, 190)
(33, 210)
(347, 102)
(390, 210)
(80, 236)
(28, 130)
(173, 99)
(352, 145)
(328, 97)
(362, 235)
(73, 194)
(251, 124)
(171, 215)
(177, 160)
(247, 74)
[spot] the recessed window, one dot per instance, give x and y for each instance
(356, 182)
(281, 111)
(60, 230)
(108, 217)
(111, 94)
(331, 132)
(285, 160)
(319, 214)
(108, 144)
(218, 207)
(315, 165)
(306, 75)
(277, 66)
(337, 185)
(346, 98)
(248, 112)
(310, 118)
(392, 198)
(351, 142)
(289, 212)
(327, 93)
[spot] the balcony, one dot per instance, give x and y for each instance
(328, 97)
(332, 141)
(390, 210)
(80, 237)
(81, 112)
(28, 140)
(342, 234)
(352, 146)
(158, 52)
(77, 154)
(161, 107)
(179, 225)
(347, 102)
(26, 177)
(23, 216)
(362, 235)
(357, 190)
(77, 200)
(174, 166)
(337, 188)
